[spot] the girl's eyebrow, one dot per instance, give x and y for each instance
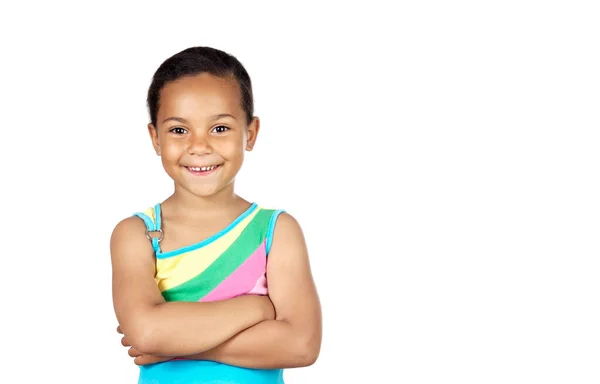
(222, 115)
(214, 117)
(179, 119)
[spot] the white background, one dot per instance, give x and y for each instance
(442, 158)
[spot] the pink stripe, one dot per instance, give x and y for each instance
(243, 279)
(261, 286)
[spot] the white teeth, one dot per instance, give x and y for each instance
(203, 169)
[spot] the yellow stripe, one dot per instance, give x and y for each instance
(150, 213)
(176, 270)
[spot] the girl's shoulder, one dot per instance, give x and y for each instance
(151, 215)
(258, 220)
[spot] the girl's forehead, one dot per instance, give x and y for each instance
(199, 95)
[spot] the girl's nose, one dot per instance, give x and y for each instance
(199, 145)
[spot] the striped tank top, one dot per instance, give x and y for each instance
(230, 263)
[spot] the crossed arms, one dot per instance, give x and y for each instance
(282, 330)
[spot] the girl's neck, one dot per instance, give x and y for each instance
(184, 202)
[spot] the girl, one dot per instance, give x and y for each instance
(190, 274)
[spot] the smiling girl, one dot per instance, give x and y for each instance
(209, 287)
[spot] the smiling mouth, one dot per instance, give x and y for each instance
(204, 170)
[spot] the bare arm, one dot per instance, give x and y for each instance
(156, 327)
(293, 339)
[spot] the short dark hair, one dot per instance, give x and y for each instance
(196, 60)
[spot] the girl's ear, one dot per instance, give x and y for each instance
(154, 137)
(253, 129)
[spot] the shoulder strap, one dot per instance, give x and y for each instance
(271, 228)
(152, 226)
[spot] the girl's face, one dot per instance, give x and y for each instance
(201, 133)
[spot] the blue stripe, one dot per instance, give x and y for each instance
(157, 216)
(155, 245)
(212, 238)
(271, 229)
(206, 372)
(147, 220)
(151, 228)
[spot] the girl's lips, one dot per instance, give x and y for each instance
(203, 171)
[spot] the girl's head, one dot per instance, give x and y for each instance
(202, 119)
(197, 60)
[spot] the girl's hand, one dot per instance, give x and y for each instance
(139, 358)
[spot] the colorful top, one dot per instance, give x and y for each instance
(228, 264)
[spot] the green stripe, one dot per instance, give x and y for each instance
(249, 240)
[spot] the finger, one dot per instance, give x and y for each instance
(146, 359)
(134, 352)
(125, 342)
(149, 359)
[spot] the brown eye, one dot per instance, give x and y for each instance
(220, 129)
(178, 130)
